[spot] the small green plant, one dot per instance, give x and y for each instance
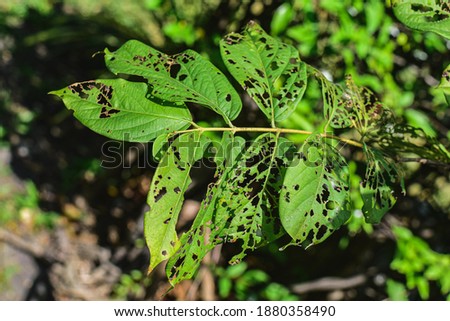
(420, 265)
(265, 186)
(240, 282)
(131, 285)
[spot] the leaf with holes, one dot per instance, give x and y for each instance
(184, 77)
(425, 15)
(119, 109)
(270, 71)
(334, 109)
(397, 140)
(207, 229)
(315, 197)
(251, 207)
(444, 84)
(376, 191)
(166, 195)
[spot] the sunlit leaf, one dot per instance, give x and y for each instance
(270, 71)
(240, 207)
(203, 234)
(315, 194)
(121, 110)
(166, 196)
(425, 15)
(184, 77)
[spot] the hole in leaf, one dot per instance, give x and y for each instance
(321, 232)
(161, 193)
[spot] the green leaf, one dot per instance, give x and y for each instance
(334, 109)
(376, 190)
(252, 214)
(281, 18)
(203, 235)
(242, 205)
(270, 71)
(423, 287)
(121, 110)
(166, 196)
(160, 146)
(363, 109)
(315, 197)
(396, 291)
(444, 85)
(184, 77)
(396, 140)
(424, 15)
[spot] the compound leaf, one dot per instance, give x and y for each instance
(424, 15)
(120, 110)
(184, 77)
(315, 194)
(166, 195)
(270, 71)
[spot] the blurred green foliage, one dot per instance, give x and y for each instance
(23, 207)
(238, 282)
(420, 265)
(131, 285)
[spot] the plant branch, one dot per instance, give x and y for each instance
(422, 161)
(329, 284)
(266, 130)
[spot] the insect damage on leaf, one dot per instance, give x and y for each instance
(270, 71)
(263, 188)
(314, 199)
(183, 77)
(103, 97)
(376, 188)
(166, 195)
(123, 110)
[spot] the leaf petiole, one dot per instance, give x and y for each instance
(266, 130)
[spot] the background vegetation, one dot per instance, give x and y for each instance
(81, 224)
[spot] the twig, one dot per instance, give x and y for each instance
(422, 161)
(329, 284)
(19, 243)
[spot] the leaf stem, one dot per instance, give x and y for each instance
(266, 130)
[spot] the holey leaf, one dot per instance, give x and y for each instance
(334, 107)
(119, 109)
(206, 229)
(166, 195)
(251, 210)
(425, 15)
(184, 77)
(240, 206)
(376, 190)
(315, 194)
(270, 71)
(444, 84)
